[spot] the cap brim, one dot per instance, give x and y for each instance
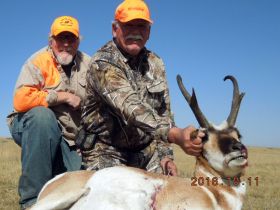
(134, 18)
(66, 30)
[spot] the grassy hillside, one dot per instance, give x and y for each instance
(263, 165)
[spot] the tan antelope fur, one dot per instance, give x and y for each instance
(215, 184)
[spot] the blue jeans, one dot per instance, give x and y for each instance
(44, 151)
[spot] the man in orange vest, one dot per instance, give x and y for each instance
(47, 99)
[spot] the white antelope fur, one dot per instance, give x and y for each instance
(126, 188)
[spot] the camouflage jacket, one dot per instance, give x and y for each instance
(127, 104)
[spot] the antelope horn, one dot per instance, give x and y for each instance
(192, 101)
(236, 100)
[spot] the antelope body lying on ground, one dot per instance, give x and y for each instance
(215, 184)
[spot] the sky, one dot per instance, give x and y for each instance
(202, 40)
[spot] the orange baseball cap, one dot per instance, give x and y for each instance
(132, 9)
(65, 23)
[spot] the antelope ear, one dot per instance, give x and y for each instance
(60, 200)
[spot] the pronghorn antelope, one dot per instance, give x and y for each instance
(215, 185)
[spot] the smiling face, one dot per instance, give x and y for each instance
(225, 152)
(131, 36)
(64, 46)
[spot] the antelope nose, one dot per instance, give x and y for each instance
(237, 146)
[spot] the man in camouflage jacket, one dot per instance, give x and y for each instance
(126, 119)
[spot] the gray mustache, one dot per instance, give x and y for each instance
(134, 37)
(66, 50)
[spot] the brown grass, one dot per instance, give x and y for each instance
(9, 174)
(263, 163)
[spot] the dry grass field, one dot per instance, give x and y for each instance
(263, 163)
(9, 174)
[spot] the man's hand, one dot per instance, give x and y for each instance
(168, 166)
(189, 139)
(71, 99)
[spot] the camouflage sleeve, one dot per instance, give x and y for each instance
(89, 107)
(165, 150)
(92, 123)
(115, 88)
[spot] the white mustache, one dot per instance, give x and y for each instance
(68, 49)
(134, 37)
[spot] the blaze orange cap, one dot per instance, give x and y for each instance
(132, 9)
(65, 23)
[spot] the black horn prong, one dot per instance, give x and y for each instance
(183, 89)
(192, 101)
(236, 101)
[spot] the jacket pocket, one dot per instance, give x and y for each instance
(155, 96)
(82, 80)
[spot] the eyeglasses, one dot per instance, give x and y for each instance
(71, 38)
(130, 26)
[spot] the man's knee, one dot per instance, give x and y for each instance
(42, 116)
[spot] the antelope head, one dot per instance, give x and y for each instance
(222, 147)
